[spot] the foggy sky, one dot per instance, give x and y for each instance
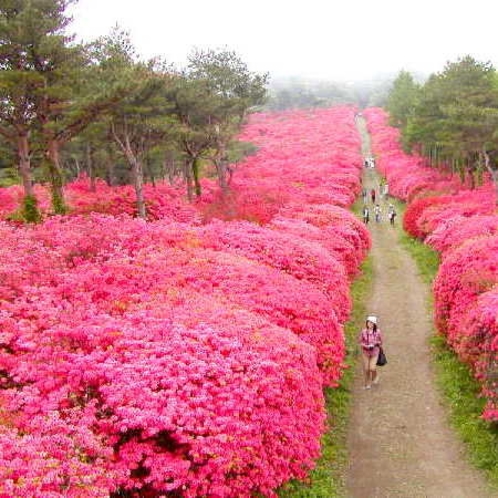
(327, 39)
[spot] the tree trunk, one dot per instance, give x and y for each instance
(56, 176)
(492, 171)
(472, 179)
(169, 167)
(221, 168)
(137, 171)
(196, 173)
(77, 167)
(109, 166)
(25, 165)
(138, 178)
(150, 172)
(90, 168)
(188, 179)
(138, 181)
(165, 171)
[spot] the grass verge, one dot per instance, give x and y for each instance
(427, 259)
(456, 382)
(328, 478)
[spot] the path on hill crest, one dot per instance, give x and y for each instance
(399, 441)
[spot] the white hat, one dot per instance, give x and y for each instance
(372, 319)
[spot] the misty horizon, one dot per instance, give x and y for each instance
(317, 40)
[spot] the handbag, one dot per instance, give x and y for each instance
(381, 360)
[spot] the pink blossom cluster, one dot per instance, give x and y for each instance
(171, 357)
(162, 200)
(293, 165)
(462, 224)
(8, 199)
(11, 198)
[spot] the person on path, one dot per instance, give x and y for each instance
(391, 213)
(365, 195)
(372, 195)
(366, 215)
(377, 212)
(370, 342)
(381, 188)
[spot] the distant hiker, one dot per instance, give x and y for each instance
(372, 195)
(366, 163)
(377, 212)
(366, 215)
(364, 195)
(372, 162)
(370, 342)
(391, 214)
(381, 187)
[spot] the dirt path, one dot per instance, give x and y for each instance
(399, 441)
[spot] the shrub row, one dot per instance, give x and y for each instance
(175, 357)
(462, 224)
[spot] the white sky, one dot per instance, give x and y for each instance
(330, 39)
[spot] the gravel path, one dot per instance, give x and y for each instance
(399, 441)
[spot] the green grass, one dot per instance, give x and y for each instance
(426, 258)
(328, 478)
(456, 382)
(461, 392)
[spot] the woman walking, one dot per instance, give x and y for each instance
(391, 213)
(370, 342)
(366, 215)
(378, 213)
(372, 195)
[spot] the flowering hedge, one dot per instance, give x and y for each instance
(208, 409)
(462, 224)
(183, 355)
(480, 331)
(456, 230)
(340, 231)
(303, 158)
(296, 256)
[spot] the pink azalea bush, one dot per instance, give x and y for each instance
(105, 335)
(182, 355)
(296, 256)
(465, 273)
(480, 334)
(162, 200)
(456, 230)
(462, 224)
(208, 409)
(9, 200)
(304, 158)
(342, 233)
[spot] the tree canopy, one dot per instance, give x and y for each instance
(402, 99)
(453, 118)
(65, 107)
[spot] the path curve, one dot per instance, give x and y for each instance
(399, 441)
